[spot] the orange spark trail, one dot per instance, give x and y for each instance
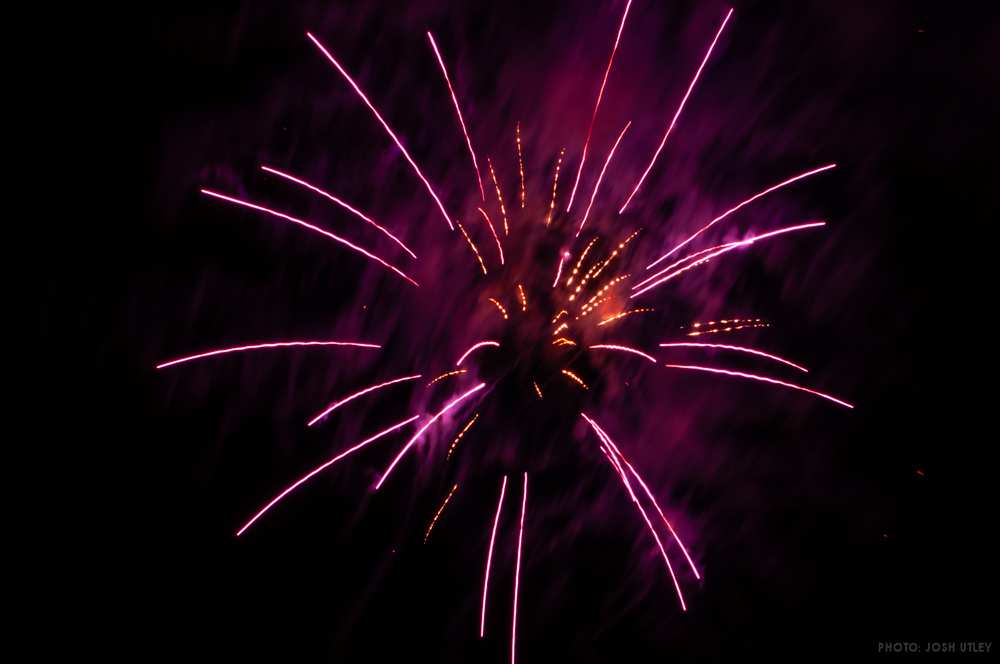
(492, 230)
(555, 187)
(623, 314)
(472, 246)
(438, 514)
(446, 374)
(600, 94)
(538, 390)
(499, 306)
(569, 282)
(520, 160)
(680, 108)
(458, 112)
(524, 299)
(496, 184)
(305, 224)
(773, 381)
(451, 448)
(385, 125)
(600, 177)
(575, 378)
(698, 333)
(351, 397)
(489, 557)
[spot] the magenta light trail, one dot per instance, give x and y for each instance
(489, 557)
(318, 469)
(597, 104)
(680, 108)
(458, 112)
(600, 177)
(562, 259)
(492, 230)
(424, 428)
(738, 349)
(690, 258)
(730, 211)
(774, 381)
(627, 350)
(727, 248)
(342, 204)
(337, 404)
(474, 347)
(385, 125)
(517, 573)
(310, 227)
(274, 344)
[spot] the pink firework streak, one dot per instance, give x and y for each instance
(458, 112)
(517, 572)
(385, 125)
(318, 469)
(738, 349)
(352, 210)
(273, 344)
(730, 211)
(351, 397)
(474, 347)
(424, 428)
(600, 177)
(489, 557)
(680, 108)
(597, 105)
(493, 231)
(765, 379)
(317, 229)
(626, 349)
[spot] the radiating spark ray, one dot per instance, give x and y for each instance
(424, 428)
(520, 160)
(273, 344)
(496, 185)
(311, 227)
(623, 314)
(739, 349)
(489, 557)
(351, 397)
(358, 213)
(600, 177)
(499, 306)
(765, 379)
(458, 112)
(538, 390)
(493, 231)
(446, 374)
(385, 125)
(677, 114)
(517, 573)
(627, 349)
(454, 443)
(562, 259)
(559, 329)
(472, 245)
(597, 104)
(730, 211)
(437, 515)
(523, 297)
(579, 262)
(474, 346)
(555, 187)
(305, 478)
(572, 376)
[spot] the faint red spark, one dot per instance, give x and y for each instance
(321, 468)
(520, 159)
(496, 185)
(351, 397)
(437, 515)
(597, 104)
(492, 230)
(474, 346)
(919, 472)
(725, 248)
(680, 108)
(499, 306)
(562, 259)
(472, 246)
(272, 344)
(517, 573)
(765, 379)
(446, 375)
(739, 349)
(555, 188)
(424, 428)
(600, 177)
(538, 390)
(385, 125)
(346, 206)
(730, 211)
(489, 557)
(575, 378)
(454, 443)
(627, 349)
(310, 227)
(623, 314)
(458, 112)
(523, 297)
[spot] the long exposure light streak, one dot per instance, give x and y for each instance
(600, 177)
(555, 188)
(351, 397)
(447, 374)
(626, 349)
(489, 557)
(437, 515)
(765, 379)
(475, 249)
(493, 231)
(475, 346)
(520, 160)
(311, 227)
(738, 349)
(272, 344)
(496, 185)
(517, 573)
(562, 259)
(454, 443)
(500, 307)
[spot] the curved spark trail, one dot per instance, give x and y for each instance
(597, 105)
(765, 379)
(446, 374)
(600, 177)
(472, 245)
(385, 125)
(489, 557)
(738, 349)
(424, 428)
(727, 248)
(305, 478)
(337, 404)
(520, 159)
(627, 350)
(458, 112)
(690, 258)
(273, 344)
(562, 259)
(474, 347)
(311, 227)
(503, 312)
(800, 176)
(437, 515)
(349, 208)
(496, 185)
(555, 188)
(492, 230)
(517, 573)
(680, 108)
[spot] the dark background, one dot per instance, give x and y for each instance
(860, 546)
